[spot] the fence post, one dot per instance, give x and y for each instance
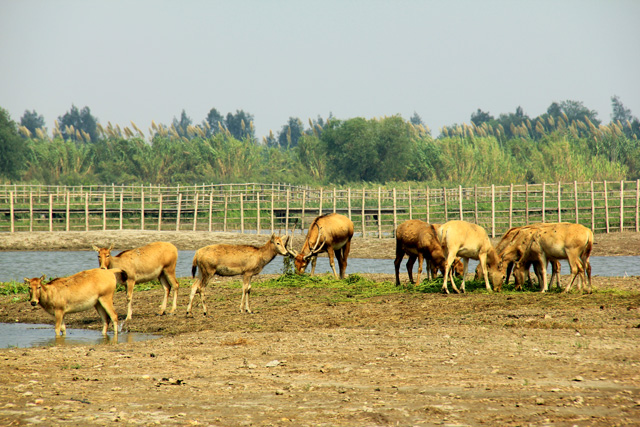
(606, 207)
(460, 201)
(286, 215)
(544, 197)
(226, 205)
(320, 208)
(30, 210)
(141, 208)
(511, 205)
(493, 210)
(395, 216)
(334, 200)
(50, 212)
(179, 212)
(446, 208)
(242, 212)
(104, 211)
(621, 205)
(195, 212)
(258, 214)
(637, 204)
(475, 201)
(428, 213)
(363, 215)
(11, 208)
(349, 203)
(575, 198)
(160, 213)
(559, 203)
(379, 213)
(526, 203)
(304, 205)
(121, 202)
(593, 208)
(410, 205)
(86, 211)
(68, 215)
(272, 231)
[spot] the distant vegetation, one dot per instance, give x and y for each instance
(566, 143)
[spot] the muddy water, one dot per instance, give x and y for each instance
(40, 335)
(18, 265)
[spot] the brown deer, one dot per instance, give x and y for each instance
(467, 240)
(330, 233)
(233, 260)
(419, 241)
(150, 262)
(79, 292)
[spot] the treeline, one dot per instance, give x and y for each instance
(566, 143)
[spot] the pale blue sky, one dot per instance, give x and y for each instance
(148, 60)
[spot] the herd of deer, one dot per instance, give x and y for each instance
(446, 248)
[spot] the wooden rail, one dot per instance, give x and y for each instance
(602, 206)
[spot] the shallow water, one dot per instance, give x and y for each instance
(16, 265)
(40, 335)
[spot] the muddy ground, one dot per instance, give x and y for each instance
(320, 356)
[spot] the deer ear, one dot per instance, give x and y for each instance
(95, 248)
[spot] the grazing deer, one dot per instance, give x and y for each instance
(467, 240)
(86, 289)
(330, 233)
(572, 242)
(419, 241)
(233, 260)
(150, 262)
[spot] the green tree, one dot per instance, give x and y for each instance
(12, 148)
(619, 111)
(78, 125)
(240, 125)
(480, 117)
(32, 121)
(290, 133)
(181, 125)
(214, 122)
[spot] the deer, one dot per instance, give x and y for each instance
(467, 240)
(79, 292)
(569, 241)
(419, 241)
(233, 260)
(330, 233)
(153, 261)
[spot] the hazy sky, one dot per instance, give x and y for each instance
(148, 60)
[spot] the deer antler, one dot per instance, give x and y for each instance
(317, 247)
(289, 246)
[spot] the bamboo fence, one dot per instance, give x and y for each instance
(264, 208)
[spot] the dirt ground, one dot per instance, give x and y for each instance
(312, 356)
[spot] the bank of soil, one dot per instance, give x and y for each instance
(321, 356)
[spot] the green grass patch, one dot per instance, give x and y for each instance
(13, 287)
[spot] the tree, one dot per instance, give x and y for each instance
(575, 110)
(182, 125)
(374, 150)
(416, 120)
(79, 125)
(12, 148)
(290, 133)
(240, 125)
(215, 122)
(32, 121)
(619, 111)
(480, 117)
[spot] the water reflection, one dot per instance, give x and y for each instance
(22, 335)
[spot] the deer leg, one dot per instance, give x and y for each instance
(575, 270)
(331, 254)
(166, 287)
(483, 261)
(170, 275)
(451, 257)
(410, 262)
(130, 284)
(396, 264)
(420, 261)
(197, 288)
(60, 327)
(339, 258)
(103, 316)
(106, 303)
(246, 292)
(345, 256)
(314, 259)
